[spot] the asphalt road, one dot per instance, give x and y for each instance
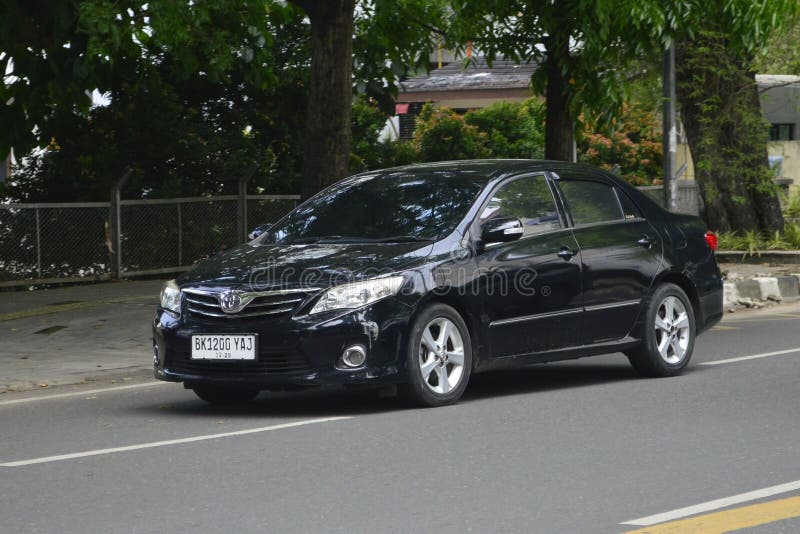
(582, 446)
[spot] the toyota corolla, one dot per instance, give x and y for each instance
(417, 277)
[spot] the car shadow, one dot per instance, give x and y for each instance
(333, 402)
(541, 378)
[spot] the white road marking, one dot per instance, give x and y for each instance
(752, 357)
(112, 450)
(81, 393)
(714, 505)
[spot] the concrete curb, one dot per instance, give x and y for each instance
(768, 256)
(760, 288)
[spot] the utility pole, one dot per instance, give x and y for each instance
(669, 139)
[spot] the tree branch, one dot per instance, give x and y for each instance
(413, 18)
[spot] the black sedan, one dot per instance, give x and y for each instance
(416, 277)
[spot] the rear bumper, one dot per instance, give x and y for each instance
(710, 310)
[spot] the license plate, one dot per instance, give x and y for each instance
(224, 347)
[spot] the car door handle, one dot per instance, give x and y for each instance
(646, 241)
(565, 253)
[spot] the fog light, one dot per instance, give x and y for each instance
(156, 359)
(354, 356)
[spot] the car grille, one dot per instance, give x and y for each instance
(268, 363)
(204, 303)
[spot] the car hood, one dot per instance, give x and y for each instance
(313, 265)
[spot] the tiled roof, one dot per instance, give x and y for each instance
(476, 75)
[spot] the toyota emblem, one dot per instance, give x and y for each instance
(231, 301)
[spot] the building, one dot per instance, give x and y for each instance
(780, 104)
(463, 85)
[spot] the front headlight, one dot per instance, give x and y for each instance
(171, 296)
(358, 294)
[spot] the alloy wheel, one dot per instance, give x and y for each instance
(441, 356)
(672, 330)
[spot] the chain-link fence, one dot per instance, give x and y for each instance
(43, 242)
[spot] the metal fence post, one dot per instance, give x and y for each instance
(38, 245)
(115, 224)
(242, 202)
(180, 236)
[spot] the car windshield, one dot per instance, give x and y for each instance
(398, 206)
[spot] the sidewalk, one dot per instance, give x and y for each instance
(74, 334)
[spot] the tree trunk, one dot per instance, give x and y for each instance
(727, 135)
(559, 133)
(328, 133)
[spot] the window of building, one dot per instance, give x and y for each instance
(781, 132)
(408, 119)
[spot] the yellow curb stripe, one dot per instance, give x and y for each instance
(730, 520)
(58, 308)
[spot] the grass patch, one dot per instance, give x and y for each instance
(752, 243)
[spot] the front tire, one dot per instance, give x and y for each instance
(439, 357)
(669, 333)
(225, 395)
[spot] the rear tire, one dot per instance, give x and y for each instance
(225, 395)
(668, 337)
(439, 357)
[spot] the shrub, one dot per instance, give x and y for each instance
(631, 141)
(513, 129)
(398, 152)
(368, 122)
(441, 134)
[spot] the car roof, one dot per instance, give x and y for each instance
(489, 170)
(493, 168)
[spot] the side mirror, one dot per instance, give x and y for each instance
(501, 230)
(257, 231)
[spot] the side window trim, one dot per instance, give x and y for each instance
(619, 202)
(620, 194)
(561, 203)
(558, 200)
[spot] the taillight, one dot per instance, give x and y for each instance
(711, 239)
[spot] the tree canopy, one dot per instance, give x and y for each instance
(203, 90)
(583, 47)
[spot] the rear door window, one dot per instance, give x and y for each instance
(591, 202)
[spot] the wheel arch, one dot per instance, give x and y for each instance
(463, 309)
(685, 283)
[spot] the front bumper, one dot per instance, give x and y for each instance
(292, 351)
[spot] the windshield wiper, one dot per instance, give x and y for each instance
(355, 239)
(401, 239)
(318, 239)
